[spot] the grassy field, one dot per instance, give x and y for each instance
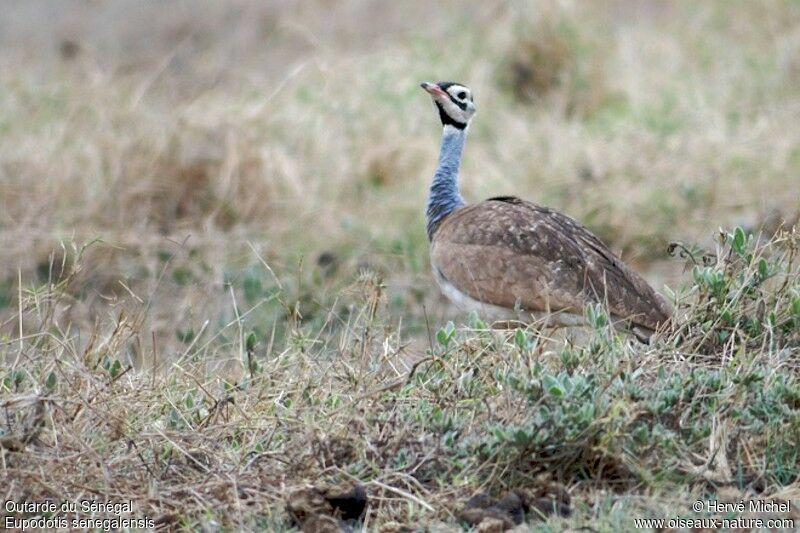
(215, 298)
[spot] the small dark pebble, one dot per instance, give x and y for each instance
(69, 49)
(321, 507)
(328, 262)
(475, 516)
(510, 509)
(513, 508)
(350, 502)
(515, 505)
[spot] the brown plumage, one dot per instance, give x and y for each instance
(514, 260)
(522, 257)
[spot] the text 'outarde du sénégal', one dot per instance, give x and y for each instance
(82, 506)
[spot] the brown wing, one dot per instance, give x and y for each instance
(507, 252)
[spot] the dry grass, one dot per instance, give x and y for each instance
(254, 311)
(225, 430)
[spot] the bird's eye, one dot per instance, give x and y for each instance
(461, 95)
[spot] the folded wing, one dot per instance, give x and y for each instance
(512, 253)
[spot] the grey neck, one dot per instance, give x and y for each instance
(444, 195)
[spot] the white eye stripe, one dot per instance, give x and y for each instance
(459, 93)
(455, 89)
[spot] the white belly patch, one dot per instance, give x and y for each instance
(493, 312)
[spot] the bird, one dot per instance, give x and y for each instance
(514, 261)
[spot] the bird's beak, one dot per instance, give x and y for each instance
(432, 88)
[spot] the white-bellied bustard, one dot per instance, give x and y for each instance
(510, 259)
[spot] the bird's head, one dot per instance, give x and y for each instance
(454, 101)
